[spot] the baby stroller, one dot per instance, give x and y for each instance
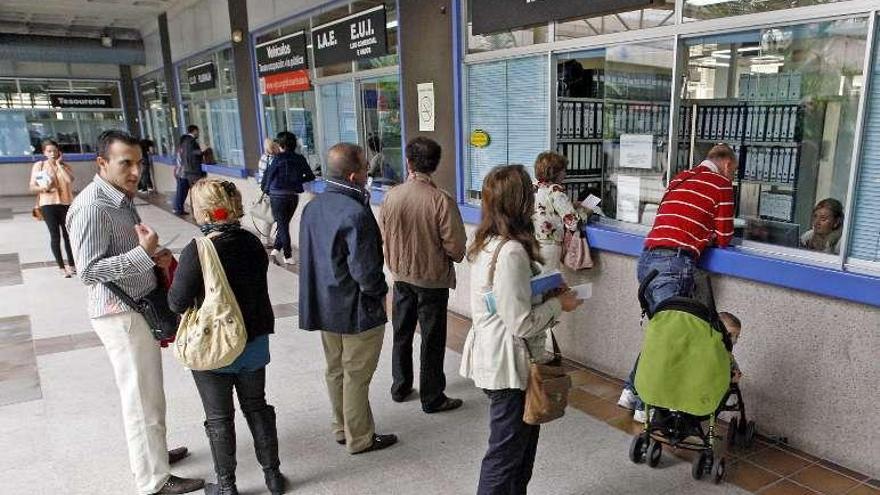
(683, 377)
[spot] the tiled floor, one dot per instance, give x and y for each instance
(766, 468)
(19, 377)
(10, 269)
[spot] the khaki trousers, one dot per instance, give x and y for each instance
(137, 364)
(351, 362)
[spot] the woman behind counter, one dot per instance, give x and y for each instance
(495, 356)
(827, 227)
(217, 209)
(52, 181)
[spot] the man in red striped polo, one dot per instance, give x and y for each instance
(696, 211)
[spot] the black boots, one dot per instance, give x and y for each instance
(221, 437)
(262, 425)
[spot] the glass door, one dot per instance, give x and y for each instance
(380, 119)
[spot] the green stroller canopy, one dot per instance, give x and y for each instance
(684, 365)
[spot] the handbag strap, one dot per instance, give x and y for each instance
(210, 261)
(491, 278)
(121, 294)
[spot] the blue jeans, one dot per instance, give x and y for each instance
(182, 191)
(675, 277)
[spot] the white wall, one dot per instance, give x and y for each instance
(264, 12)
(197, 27)
(14, 177)
(9, 68)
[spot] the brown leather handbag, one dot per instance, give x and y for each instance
(547, 392)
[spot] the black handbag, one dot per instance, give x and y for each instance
(154, 308)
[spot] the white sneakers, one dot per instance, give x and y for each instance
(639, 416)
(289, 261)
(274, 253)
(627, 399)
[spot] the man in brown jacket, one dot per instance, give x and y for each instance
(424, 235)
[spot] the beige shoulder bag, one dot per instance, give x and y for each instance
(213, 335)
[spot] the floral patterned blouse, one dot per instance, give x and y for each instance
(554, 213)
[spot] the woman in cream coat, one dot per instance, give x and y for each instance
(505, 323)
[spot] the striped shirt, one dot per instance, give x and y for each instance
(697, 207)
(101, 224)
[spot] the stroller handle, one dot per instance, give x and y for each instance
(643, 287)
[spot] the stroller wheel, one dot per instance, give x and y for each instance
(637, 449)
(732, 431)
(655, 450)
(749, 434)
(699, 465)
(718, 471)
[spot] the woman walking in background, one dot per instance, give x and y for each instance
(505, 333)
(554, 213)
(52, 181)
(283, 182)
(217, 209)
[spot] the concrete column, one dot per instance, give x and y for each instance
(425, 34)
(128, 101)
(168, 69)
(242, 55)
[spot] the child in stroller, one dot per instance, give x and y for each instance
(685, 377)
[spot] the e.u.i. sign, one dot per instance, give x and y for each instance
(358, 36)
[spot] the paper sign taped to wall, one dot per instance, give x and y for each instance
(628, 196)
(637, 151)
(426, 106)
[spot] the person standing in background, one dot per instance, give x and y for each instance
(52, 181)
(283, 182)
(113, 245)
(146, 183)
(424, 236)
(342, 294)
(189, 169)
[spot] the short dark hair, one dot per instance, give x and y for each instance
(190, 128)
(724, 315)
(721, 150)
(343, 159)
(286, 140)
(107, 138)
(49, 142)
(423, 154)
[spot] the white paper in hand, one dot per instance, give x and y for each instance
(583, 291)
(591, 202)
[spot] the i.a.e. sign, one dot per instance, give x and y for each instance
(359, 36)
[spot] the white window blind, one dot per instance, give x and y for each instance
(865, 236)
(509, 101)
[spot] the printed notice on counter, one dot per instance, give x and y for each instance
(426, 106)
(637, 151)
(776, 206)
(591, 202)
(628, 196)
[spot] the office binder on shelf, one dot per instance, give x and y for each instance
(794, 88)
(763, 83)
(774, 169)
(783, 88)
(793, 169)
(784, 122)
(765, 164)
(772, 86)
(786, 165)
(794, 115)
(743, 89)
(761, 132)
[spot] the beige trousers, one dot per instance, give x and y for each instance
(137, 364)
(351, 362)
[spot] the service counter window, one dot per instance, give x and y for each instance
(71, 113)
(712, 9)
(611, 122)
(294, 112)
(338, 114)
(155, 117)
(507, 117)
(208, 98)
(786, 99)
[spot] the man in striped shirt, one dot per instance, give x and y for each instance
(112, 245)
(696, 211)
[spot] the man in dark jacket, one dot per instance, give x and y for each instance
(342, 293)
(189, 169)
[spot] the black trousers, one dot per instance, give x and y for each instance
(507, 465)
(183, 185)
(283, 208)
(55, 217)
(427, 307)
(215, 389)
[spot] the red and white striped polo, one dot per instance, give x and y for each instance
(697, 207)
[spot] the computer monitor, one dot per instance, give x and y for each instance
(772, 232)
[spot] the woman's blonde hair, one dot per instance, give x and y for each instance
(270, 146)
(216, 201)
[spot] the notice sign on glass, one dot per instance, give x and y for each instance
(284, 54)
(285, 82)
(491, 16)
(358, 36)
(202, 77)
(80, 100)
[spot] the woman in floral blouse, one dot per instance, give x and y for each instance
(554, 213)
